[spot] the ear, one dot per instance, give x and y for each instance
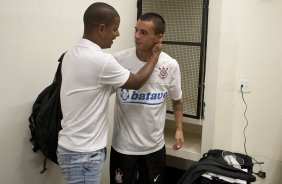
(159, 38)
(101, 29)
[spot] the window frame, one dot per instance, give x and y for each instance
(202, 63)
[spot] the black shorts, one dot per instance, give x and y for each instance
(137, 169)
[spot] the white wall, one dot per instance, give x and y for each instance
(33, 35)
(243, 42)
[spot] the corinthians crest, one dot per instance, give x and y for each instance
(118, 176)
(163, 72)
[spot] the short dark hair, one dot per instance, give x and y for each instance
(157, 19)
(99, 13)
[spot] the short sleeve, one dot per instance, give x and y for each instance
(175, 91)
(113, 73)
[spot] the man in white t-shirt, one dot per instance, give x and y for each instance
(138, 145)
(88, 77)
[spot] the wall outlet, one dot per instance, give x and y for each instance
(244, 86)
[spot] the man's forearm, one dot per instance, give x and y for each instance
(136, 81)
(178, 112)
(145, 72)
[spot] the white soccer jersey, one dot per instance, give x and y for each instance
(140, 114)
(88, 75)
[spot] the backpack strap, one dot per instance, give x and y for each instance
(44, 165)
(62, 57)
(58, 75)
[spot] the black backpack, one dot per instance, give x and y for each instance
(45, 119)
(214, 161)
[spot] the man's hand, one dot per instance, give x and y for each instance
(179, 140)
(156, 50)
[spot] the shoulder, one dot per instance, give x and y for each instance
(165, 59)
(125, 53)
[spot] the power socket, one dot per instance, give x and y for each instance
(244, 86)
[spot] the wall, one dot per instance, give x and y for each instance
(244, 42)
(33, 35)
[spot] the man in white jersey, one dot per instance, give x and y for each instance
(138, 145)
(88, 76)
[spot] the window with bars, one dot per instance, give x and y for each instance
(185, 40)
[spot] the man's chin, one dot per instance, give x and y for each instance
(108, 46)
(138, 46)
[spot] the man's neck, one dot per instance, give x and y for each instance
(143, 56)
(92, 38)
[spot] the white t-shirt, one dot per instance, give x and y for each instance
(140, 114)
(88, 76)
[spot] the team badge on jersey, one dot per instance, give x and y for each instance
(163, 72)
(118, 176)
(124, 94)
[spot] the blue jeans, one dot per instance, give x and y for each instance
(81, 167)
